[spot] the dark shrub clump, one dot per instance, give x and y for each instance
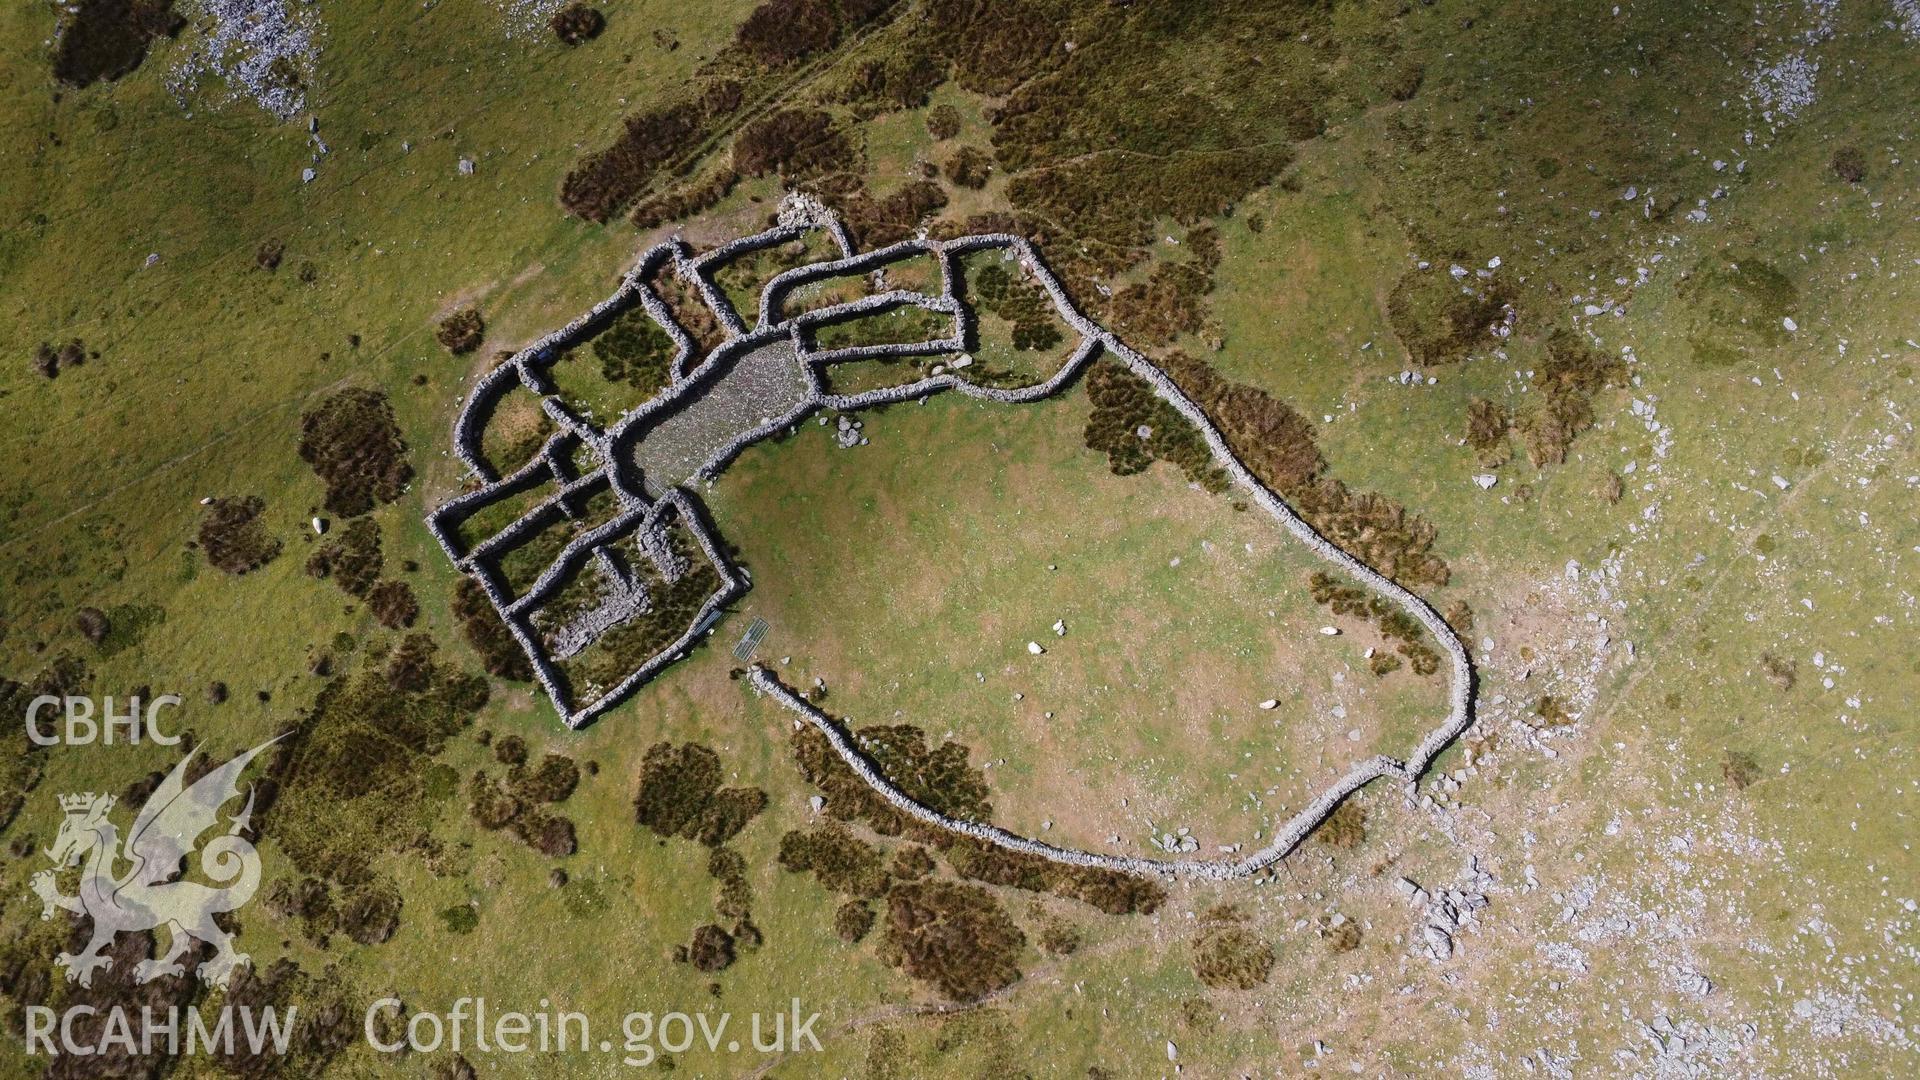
(841, 861)
(735, 896)
(943, 122)
(107, 39)
(233, 536)
(495, 807)
(1109, 890)
(781, 32)
(675, 784)
(577, 24)
(1487, 425)
(553, 780)
(680, 795)
(1574, 373)
(393, 604)
(357, 777)
(852, 921)
(911, 862)
(1850, 164)
(370, 915)
(1740, 769)
(500, 654)
(604, 182)
(970, 167)
(50, 361)
(1441, 320)
(635, 351)
(1549, 713)
(92, 624)
(955, 937)
(727, 813)
(1231, 957)
(352, 559)
(1340, 933)
(1403, 81)
(510, 750)
(1782, 672)
(548, 834)
(791, 142)
(1174, 300)
(460, 918)
(462, 332)
(491, 807)
(711, 950)
(1345, 828)
(353, 444)
(1134, 427)
(939, 776)
(875, 222)
(410, 667)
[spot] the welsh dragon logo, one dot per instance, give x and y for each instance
(150, 893)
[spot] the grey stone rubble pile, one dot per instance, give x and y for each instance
(1692, 982)
(659, 548)
(250, 44)
(847, 433)
(798, 215)
(1687, 1048)
(1182, 840)
(527, 18)
(1443, 915)
(624, 599)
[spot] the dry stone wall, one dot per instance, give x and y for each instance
(693, 376)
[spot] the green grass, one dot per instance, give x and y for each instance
(208, 362)
(234, 352)
(911, 574)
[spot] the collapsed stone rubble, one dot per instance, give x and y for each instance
(1443, 915)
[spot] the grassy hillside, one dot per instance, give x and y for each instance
(1599, 321)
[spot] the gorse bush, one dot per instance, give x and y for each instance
(577, 23)
(500, 654)
(234, 537)
(1231, 958)
(354, 446)
(462, 332)
(103, 40)
(958, 938)
(351, 558)
(680, 795)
